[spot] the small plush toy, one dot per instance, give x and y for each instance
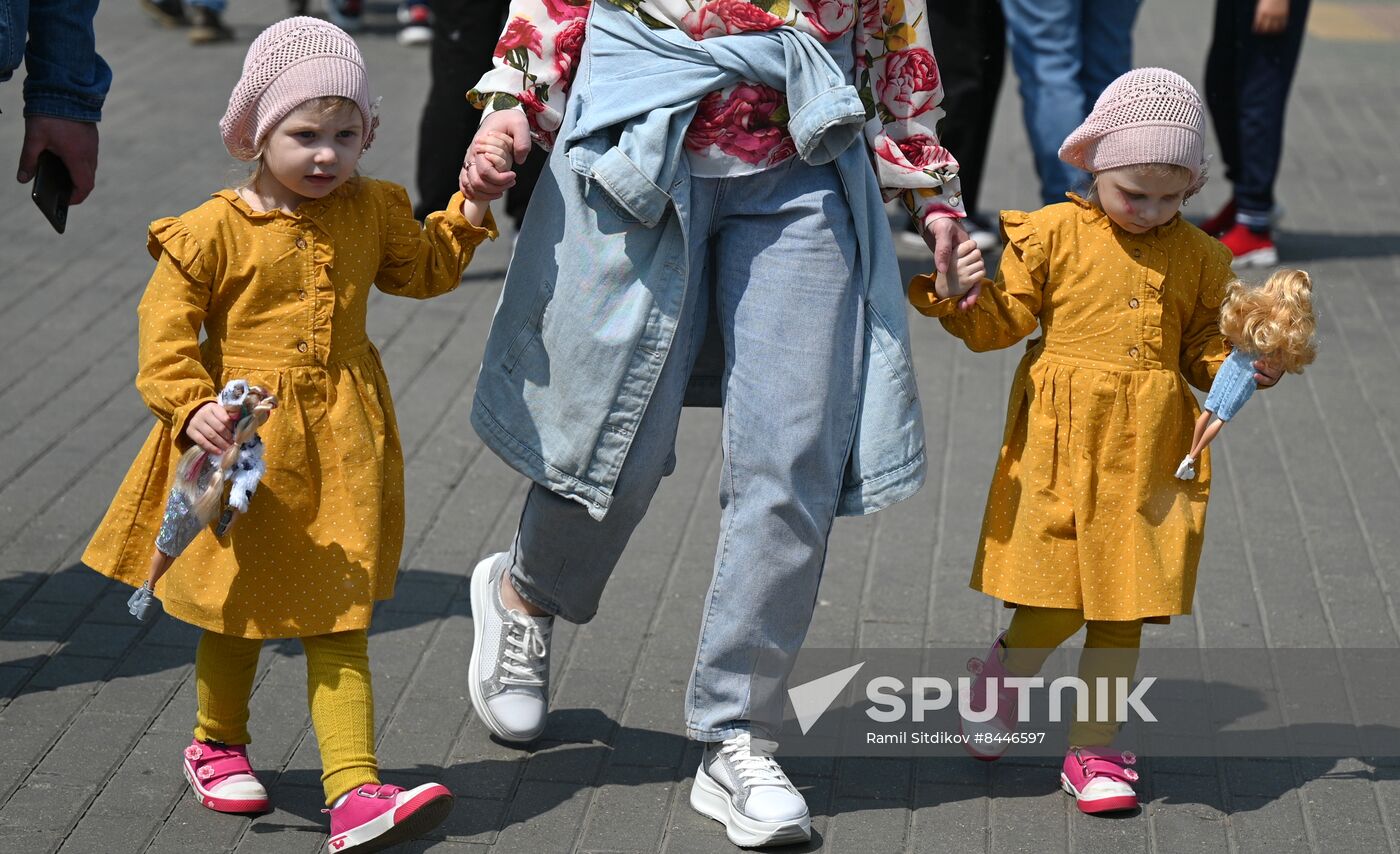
(198, 490)
(1272, 322)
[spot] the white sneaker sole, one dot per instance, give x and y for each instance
(481, 599)
(1094, 806)
(710, 799)
(1258, 258)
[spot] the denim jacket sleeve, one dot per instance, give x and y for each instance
(65, 76)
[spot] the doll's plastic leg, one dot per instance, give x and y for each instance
(226, 520)
(160, 562)
(1201, 421)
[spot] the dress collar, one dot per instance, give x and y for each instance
(311, 209)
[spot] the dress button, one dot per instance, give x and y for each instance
(1137, 253)
(1133, 303)
(301, 242)
(301, 294)
(1133, 351)
(301, 348)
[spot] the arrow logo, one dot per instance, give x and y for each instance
(810, 700)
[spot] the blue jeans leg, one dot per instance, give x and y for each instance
(783, 250)
(1108, 45)
(562, 557)
(1047, 52)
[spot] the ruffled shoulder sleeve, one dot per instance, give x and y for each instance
(171, 236)
(1022, 235)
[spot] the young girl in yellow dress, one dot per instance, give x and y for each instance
(276, 274)
(1086, 522)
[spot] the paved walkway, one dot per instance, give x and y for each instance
(94, 709)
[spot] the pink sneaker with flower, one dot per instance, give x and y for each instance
(988, 740)
(1100, 779)
(222, 778)
(375, 816)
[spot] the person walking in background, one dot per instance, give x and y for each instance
(206, 18)
(464, 37)
(969, 39)
(1249, 72)
(1065, 53)
(65, 86)
(415, 23)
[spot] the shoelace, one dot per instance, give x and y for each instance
(754, 767)
(524, 653)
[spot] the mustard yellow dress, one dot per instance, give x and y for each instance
(281, 301)
(1084, 510)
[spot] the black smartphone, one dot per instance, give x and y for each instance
(53, 187)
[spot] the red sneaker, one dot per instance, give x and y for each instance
(374, 817)
(1100, 779)
(1222, 222)
(222, 778)
(1251, 248)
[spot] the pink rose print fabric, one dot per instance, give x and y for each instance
(743, 128)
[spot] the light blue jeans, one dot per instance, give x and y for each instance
(774, 255)
(1065, 53)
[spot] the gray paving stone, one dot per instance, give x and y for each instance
(1301, 548)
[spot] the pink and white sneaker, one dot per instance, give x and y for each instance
(988, 740)
(1100, 779)
(222, 778)
(375, 816)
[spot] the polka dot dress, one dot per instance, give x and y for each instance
(281, 301)
(1084, 511)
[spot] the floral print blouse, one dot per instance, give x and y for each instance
(743, 128)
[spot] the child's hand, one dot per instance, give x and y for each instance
(493, 149)
(211, 428)
(1266, 375)
(964, 277)
(480, 179)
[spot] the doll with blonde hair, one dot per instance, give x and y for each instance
(1272, 322)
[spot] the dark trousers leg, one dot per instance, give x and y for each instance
(969, 40)
(1248, 78)
(464, 36)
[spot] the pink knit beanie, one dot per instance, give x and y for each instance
(288, 64)
(1149, 115)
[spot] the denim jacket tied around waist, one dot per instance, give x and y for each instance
(593, 296)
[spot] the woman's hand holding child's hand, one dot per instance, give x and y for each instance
(964, 279)
(493, 149)
(211, 428)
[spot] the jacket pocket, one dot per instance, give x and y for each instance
(529, 331)
(885, 347)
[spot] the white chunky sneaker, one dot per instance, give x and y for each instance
(1187, 469)
(509, 671)
(741, 785)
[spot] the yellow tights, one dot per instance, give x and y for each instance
(1110, 650)
(337, 689)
